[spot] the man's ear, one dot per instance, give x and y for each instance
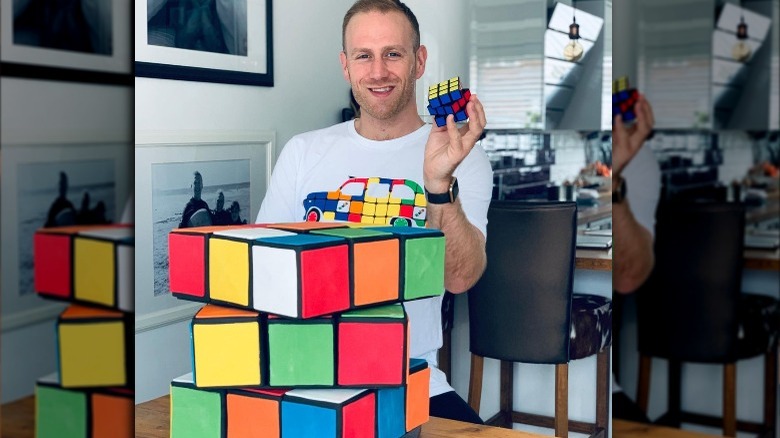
(421, 58)
(344, 69)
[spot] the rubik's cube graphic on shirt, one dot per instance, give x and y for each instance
(624, 99)
(447, 98)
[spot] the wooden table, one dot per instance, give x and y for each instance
(629, 429)
(152, 420)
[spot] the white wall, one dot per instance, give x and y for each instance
(49, 112)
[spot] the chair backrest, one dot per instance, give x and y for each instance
(520, 310)
(687, 310)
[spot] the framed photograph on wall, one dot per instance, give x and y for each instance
(223, 41)
(53, 185)
(184, 180)
(86, 41)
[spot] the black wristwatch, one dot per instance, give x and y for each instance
(444, 198)
(619, 192)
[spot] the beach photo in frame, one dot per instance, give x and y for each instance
(191, 179)
(53, 185)
(222, 41)
(86, 41)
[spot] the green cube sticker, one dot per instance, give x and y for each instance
(424, 267)
(60, 413)
(394, 311)
(300, 354)
(196, 414)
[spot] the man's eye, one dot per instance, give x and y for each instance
(393, 54)
(362, 56)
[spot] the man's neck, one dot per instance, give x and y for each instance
(398, 127)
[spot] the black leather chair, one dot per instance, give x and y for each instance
(523, 310)
(692, 309)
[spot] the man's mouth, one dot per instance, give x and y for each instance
(381, 90)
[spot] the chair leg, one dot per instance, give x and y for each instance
(674, 394)
(475, 382)
(770, 389)
(562, 400)
(507, 388)
(643, 382)
(730, 399)
(602, 389)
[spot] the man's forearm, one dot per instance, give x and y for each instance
(465, 258)
(633, 250)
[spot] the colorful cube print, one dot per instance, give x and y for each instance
(301, 276)
(86, 264)
(94, 347)
(421, 262)
(373, 262)
(373, 347)
(254, 413)
(226, 347)
(82, 413)
(329, 413)
(301, 352)
(196, 413)
(229, 260)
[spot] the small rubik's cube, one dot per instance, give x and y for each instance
(624, 99)
(226, 347)
(91, 264)
(372, 347)
(94, 413)
(421, 261)
(94, 346)
(447, 98)
(332, 413)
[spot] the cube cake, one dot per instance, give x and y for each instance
(373, 346)
(94, 347)
(447, 98)
(373, 263)
(389, 412)
(421, 261)
(86, 264)
(81, 413)
(226, 347)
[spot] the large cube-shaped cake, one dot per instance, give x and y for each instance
(226, 346)
(91, 264)
(82, 413)
(94, 347)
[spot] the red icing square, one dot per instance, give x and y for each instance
(370, 353)
(324, 280)
(187, 261)
(52, 264)
(359, 417)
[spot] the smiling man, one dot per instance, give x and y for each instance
(382, 59)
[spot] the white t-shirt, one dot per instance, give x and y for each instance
(322, 160)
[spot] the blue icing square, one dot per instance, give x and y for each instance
(301, 240)
(305, 421)
(391, 412)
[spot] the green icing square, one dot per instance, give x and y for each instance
(60, 413)
(196, 413)
(351, 233)
(394, 311)
(300, 354)
(424, 267)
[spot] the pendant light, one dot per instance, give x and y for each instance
(741, 52)
(573, 50)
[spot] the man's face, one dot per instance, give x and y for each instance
(380, 63)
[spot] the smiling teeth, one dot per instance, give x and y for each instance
(381, 90)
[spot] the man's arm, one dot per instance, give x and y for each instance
(633, 250)
(447, 146)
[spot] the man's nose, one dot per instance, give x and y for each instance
(378, 68)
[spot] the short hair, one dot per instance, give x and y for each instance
(197, 174)
(383, 6)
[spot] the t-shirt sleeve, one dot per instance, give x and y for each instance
(475, 187)
(280, 198)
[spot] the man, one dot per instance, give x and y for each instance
(196, 212)
(636, 183)
(61, 212)
(381, 59)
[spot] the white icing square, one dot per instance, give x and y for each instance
(275, 280)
